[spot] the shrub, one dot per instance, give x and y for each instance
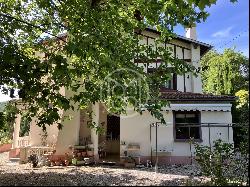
(4, 140)
(222, 163)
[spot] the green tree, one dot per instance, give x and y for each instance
(7, 117)
(241, 116)
(100, 39)
(224, 73)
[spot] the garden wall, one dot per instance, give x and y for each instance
(5, 147)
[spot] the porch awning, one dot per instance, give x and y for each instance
(199, 107)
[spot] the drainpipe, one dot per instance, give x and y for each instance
(156, 162)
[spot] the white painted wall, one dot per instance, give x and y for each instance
(218, 132)
(52, 130)
(84, 130)
(36, 132)
(195, 60)
(69, 134)
(136, 129)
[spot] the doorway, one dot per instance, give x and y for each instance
(112, 139)
(113, 127)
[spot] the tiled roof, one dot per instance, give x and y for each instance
(174, 95)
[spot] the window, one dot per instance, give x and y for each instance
(169, 84)
(182, 120)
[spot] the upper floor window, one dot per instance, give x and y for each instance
(184, 125)
(168, 84)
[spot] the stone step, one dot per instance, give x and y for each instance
(14, 159)
(108, 163)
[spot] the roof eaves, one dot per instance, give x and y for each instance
(183, 38)
(194, 41)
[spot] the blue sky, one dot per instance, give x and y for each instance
(226, 27)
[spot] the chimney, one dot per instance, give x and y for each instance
(191, 33)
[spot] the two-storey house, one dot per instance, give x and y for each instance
(191, 113)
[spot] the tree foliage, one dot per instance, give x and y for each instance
(7, 117)
(225, 73)
(100, 39)
(241, 116)
(243, 98)
(24, 126)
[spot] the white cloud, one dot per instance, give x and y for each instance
(223, 33)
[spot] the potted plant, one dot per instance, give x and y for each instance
(52, 163)
(57, 163)
(74, 161)
(79, 154)
(67, 159)
(90, 151)
(84, 153)
(33, 159)
(130, 162)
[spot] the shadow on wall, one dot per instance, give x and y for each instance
(74, 177)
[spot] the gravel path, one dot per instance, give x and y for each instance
(4, 158)
(15, 174)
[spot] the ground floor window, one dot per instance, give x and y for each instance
(182, 125)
